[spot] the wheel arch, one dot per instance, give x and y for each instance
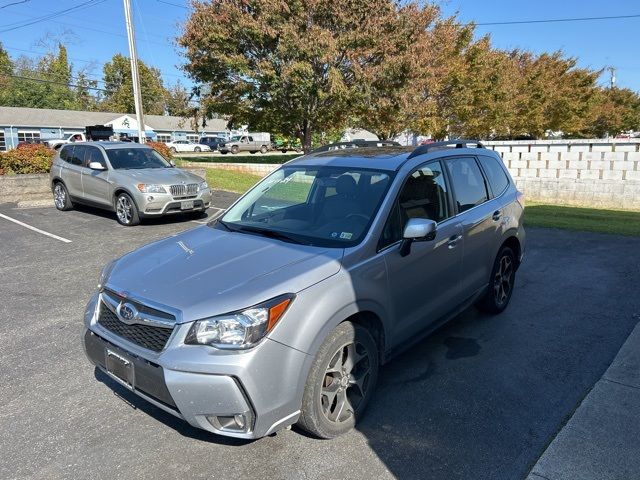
(514, 244)
(117, 191)
(371, 321)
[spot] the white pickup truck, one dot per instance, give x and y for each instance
(56, 143)
(253, 142)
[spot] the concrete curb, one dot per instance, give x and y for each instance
(601, 440)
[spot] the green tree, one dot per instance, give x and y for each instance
(303, 66)
(119, 87)
(6, 81)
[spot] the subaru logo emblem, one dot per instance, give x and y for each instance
(127, 313)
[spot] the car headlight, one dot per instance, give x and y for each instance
(203, 186)
(106, 273)
(239, 330)
(151, 188)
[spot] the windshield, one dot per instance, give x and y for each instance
(323, 206)
(135, 158)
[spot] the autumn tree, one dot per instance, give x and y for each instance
(118, 96)
(616, 110)
(300, 67)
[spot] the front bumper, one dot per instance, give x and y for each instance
(151, 205)
(203, 385)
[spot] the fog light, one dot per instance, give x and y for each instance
(150, 198)
(240, 422)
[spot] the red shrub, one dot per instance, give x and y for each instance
(35, 158)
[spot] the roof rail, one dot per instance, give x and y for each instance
(458, 143)
(356, 144)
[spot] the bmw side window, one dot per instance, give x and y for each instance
(423, 195)
(93, 155)
(468, 183)
(496, 176)
(77, 158)
(66, 153)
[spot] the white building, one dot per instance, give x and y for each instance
(19, 124)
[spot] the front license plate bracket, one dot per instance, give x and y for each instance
(120, 367)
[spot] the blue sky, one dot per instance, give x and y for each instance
(93, 35)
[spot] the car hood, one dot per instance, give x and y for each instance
(206, 271)
(164, 176)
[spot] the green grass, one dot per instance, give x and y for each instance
(230, 180)
(230, 158)
(618, 222)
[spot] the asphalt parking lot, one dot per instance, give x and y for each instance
(480, 399)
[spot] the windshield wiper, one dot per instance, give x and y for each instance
(267, 233)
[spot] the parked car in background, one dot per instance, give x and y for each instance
(131, 179)
(212, 142)
(91, 132)
(187, 146)
(252, 143)
(282, 310)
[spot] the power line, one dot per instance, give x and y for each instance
(14, 3)
(40, 80)
(173, 4)
(49, 16)
(555, 20)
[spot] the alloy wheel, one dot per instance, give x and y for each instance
(503, 280)
(346, 382)
(124, 209)
(59, 196)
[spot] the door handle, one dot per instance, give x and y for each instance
(496, 215)
(453, 241)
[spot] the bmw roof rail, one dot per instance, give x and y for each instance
(458, 143)
(356, 144)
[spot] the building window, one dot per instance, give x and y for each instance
(162, 137)
(193, 138)
(28, 136)
(3, 144)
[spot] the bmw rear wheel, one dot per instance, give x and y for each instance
(341, 381)
(126, 211)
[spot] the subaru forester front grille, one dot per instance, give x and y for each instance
(147, 336)
(187, 190)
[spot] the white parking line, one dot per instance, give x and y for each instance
(35, 229)
(219, 212)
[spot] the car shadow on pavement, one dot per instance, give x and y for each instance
(164, 220)
(177, 424)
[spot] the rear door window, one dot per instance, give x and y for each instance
(66, 153)
(468, 183)
(496, 176)
(77, 158)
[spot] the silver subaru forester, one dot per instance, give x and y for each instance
(131, 179)
(282, 310)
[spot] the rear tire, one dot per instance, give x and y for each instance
(341, 381)
(234, 150)
(263, 149)
(501, 283)
(197, 149)
(61, 197)
(127, 211)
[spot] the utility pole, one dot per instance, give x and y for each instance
(612, 76)
(137, 97)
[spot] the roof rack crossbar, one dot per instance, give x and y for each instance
(356, 144)
(458, 143)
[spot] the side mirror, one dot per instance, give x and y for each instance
(96, 166)
(173, 164)
(417, 230)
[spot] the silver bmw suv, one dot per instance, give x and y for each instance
(131, 179)
(282, 310)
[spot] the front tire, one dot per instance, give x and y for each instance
(502, 281)
(234, 150)
(61, 197)
(197, 149)
(341, 381)
(127, 211)
(263, 149)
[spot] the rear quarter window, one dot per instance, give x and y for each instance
(496, 176)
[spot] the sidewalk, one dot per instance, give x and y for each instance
(601, 440)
